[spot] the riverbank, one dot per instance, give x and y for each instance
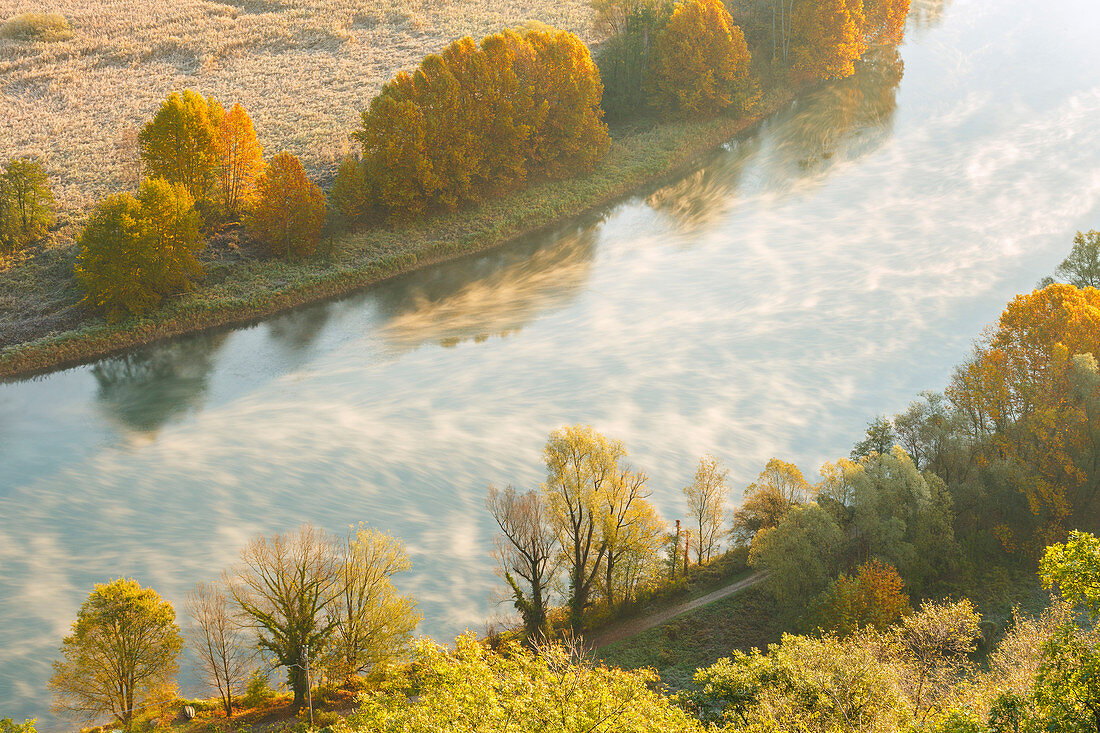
(251, 289)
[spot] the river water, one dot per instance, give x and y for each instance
(820, 270)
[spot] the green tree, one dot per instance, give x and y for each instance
(349, 195)
(120, 655)
(1067, 688)
(801, 555)
(701, 63)
(27, 208)
(290, 209)
(778, 488)
(624, 59)
(7, 725)
(473, 689)
(879, 438)
(134, 251)
(180, 143)
(1082, 267)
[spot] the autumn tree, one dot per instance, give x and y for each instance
(885, 21)
(372, 624)
(179, 143)
(1082, 267)
(289, 212)
(286, 587)
(581, 466)
(239, 158)
(1073, 568)
(767, 500)
(630, 530)
(349, 195)
(526, 549)
(219, 642)
(872, 597)
(827, 38)
(701, 63)
(706, 498)
(135, 251)
(27, 208)
(120, 654)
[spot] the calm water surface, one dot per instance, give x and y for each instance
(821, 270)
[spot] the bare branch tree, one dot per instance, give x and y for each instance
(525, 548)
(219, 642)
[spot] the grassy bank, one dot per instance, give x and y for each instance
(251, 288)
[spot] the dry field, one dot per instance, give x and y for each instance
(303, 68)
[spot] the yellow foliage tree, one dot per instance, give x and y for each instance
(701, 64)
(827, 38)
(290, 209)
(240, 158)
(178, 144)
(885, 20)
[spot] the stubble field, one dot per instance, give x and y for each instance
(303, 68)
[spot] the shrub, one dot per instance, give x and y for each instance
(701, 63)
(349, 194)
(43, 27)
(258, 690)
(872, 598)
(26, 204)
(290, 209)
(134, 251)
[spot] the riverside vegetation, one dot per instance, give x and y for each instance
(483, 142)
(877, 577)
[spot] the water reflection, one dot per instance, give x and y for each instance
(491, 295)
(299, 329)
(147, 388)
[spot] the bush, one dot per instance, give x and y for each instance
(258, 691)
(349, 191)
(290, 209)
(133, 252)
(321, 718)
(701, 63)
(43, 27)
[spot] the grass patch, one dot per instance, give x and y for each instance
(240, 292)
(42, 27)
(701, 637)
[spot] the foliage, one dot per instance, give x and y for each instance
(1082, 267)
(178, 144)
(258, 690)
(885, 21)
(827, 38)
(873, 597)
(27, 208)
(349, 195)
(624, 59)
(7, 725)
(1067, 687)
(778, 488)
(878, 439)
(801, 555)
(121, 653)
(478, 118)
(700, 65)
(475, 690)
(135, 251)
(40, 27)
(1074, 568)
(239, 158)
(289, 212)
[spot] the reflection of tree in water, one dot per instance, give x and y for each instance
(926, 14)
(491, 295)
(298, 328)
(843, 120)
(146, 389)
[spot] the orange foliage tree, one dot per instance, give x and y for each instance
(1029, 397)
(239, 158)
(700, 65)
(885, 21)
(476, 119)
(873, 597)
(827, 38)
(290, 209)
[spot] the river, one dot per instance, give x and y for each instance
(822, 269)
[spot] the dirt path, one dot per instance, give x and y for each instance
(638, 625)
